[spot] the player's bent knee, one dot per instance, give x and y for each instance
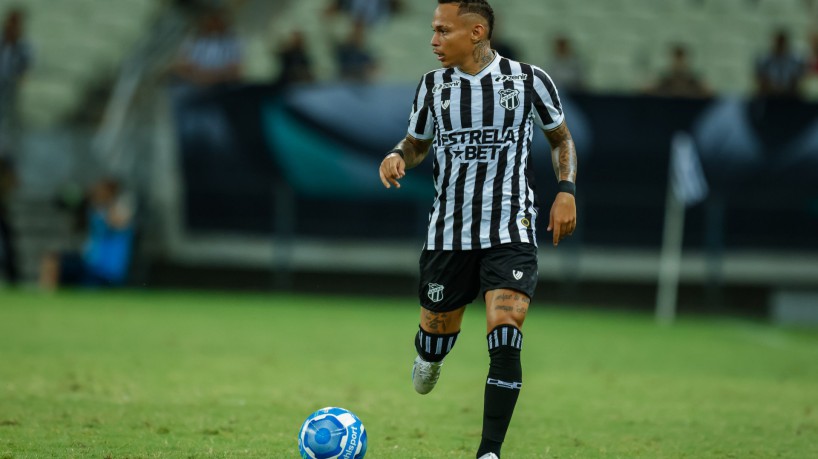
(506, 307)
(441, 322)
(512, 320)
(513, 316)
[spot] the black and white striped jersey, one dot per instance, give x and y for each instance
(482, 127)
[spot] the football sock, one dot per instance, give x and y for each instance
(433, 347)
(502, 386)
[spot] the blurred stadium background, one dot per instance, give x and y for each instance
(257, 172)
(256, 183)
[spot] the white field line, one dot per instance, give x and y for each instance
(768, 337)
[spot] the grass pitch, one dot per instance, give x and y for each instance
(178, 375)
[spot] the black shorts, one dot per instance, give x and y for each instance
(450, 279)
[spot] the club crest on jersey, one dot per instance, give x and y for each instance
(509, 98)
(440, 87)
(435, 292)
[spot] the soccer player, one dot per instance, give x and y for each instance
(480, 111)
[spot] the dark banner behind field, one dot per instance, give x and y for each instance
(260, 159)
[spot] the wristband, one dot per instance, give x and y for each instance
(398, 151)
(566, 186)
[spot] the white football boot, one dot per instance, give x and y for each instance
(488, 456)
(425, 375)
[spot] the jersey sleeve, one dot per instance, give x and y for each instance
(547, 108)
(421, 121)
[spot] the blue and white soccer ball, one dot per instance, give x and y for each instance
(332, 433)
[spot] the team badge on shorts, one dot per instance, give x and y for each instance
(435, 292)
(509, 98)
(517, 274)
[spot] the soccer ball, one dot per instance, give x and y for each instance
(332, 433)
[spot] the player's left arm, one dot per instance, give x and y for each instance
(563, 218)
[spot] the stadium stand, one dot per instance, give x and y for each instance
(75, 42)
(79, 41)
(625, 42)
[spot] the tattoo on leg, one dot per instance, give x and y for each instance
(515, 297)
(515, 302)
(436, 321)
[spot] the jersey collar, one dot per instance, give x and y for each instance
(486, 70)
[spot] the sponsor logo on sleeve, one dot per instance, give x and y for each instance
(441, 86)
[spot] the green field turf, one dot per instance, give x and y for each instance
(198, 375)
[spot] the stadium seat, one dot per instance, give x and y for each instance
(74, 43)
(781, 8)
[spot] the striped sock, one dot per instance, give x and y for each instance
(432, 347)
(503, 386)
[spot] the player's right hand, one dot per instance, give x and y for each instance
(393, 168)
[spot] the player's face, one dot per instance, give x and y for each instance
(452, 39)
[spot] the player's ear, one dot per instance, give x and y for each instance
(478, 33)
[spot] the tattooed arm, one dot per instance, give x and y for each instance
(563, 218)
(563, 153)
(393, 167)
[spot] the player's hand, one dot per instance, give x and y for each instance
(393, 168)
(563, 218)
